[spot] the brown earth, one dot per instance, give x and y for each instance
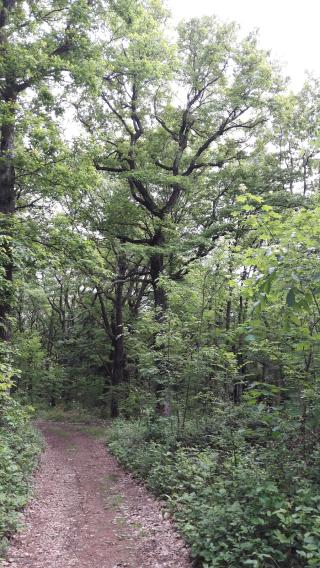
(88, 513)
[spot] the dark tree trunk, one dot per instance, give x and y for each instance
(163, 405)
(160, 296)
(50, 338)
(228, 314)
(118, 357)
(8, 96)
(7, 208)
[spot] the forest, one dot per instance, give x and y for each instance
(160, 268)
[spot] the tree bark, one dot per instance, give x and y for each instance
(7, 208)
(163, 403)
(118, 359)
(8, 94)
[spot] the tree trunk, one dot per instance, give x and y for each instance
(7, 179)
(7, 208)
(163, 403)
(118, 357)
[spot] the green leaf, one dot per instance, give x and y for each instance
(291, 298)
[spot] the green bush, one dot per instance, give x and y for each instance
(235, 504)
(19, 450)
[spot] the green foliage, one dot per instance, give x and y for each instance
(19, 450)
(235, 503)
(75, 414)
(165, 257)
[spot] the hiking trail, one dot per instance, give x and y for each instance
(87, 512)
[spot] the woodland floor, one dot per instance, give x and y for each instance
(88, 513)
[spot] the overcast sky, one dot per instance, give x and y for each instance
(290, 28)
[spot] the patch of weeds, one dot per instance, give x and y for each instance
(115, 500)
(95, 431)
(120, 521)
(75, 415)
(123, 536)
(139, 528)
(112, 477)
(105, 485)
(56, 429)
(112, 499)
(107, 481)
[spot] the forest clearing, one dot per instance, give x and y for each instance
(159, 292)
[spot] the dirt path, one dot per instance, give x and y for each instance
(88, 513)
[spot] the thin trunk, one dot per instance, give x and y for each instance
(228, 314)
(305, 175)
(118, 359)
(50, 338)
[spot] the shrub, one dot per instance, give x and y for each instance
(235, 505)
(19, 450)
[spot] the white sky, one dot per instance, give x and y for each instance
(290, 28)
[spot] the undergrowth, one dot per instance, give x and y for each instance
(76, 414)
(20, 446)
(242, 491)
